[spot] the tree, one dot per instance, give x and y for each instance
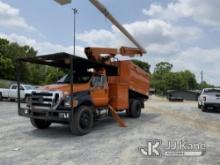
(189, 80)
(144, 65)
(8, 54)
(163, 67)
(205, 85)
(163, 79)
(53, 74)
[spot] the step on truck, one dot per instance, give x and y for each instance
(93, 89)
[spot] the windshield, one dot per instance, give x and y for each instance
(28, 87)
(212, 91)
(77, 79)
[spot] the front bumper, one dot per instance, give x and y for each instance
(212, 105)
(62, 115)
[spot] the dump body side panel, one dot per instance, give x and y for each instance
(131, 77)
(118, 95)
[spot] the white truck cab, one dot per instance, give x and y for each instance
(209, 99)
(12, 92)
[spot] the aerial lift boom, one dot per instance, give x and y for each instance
(108, 15)
(114, 21)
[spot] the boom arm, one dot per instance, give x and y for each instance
(108, 15)
(96, 54)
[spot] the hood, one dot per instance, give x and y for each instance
(66, 87)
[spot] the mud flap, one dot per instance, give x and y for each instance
(115, 115)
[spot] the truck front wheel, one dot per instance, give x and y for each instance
(134, 110)
(82, 120)
(40, 124)
(203, 108)
(1, 97)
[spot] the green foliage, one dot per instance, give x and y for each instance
(34, 74)
(53, 74)
(8, 54)
(4, 83)
(205, 85)
(164, 79)
(6, 68)
(163, 67)
(145, 66)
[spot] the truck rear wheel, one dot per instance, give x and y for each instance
(40, 124)
(134, 110)
(82, 120)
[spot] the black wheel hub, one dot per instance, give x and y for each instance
(85, 120)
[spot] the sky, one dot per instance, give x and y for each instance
(185, 33)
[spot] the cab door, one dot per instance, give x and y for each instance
(12, 93)
(100, 90)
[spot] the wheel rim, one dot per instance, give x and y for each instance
(85, 120)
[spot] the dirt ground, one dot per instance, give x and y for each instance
(20, 143)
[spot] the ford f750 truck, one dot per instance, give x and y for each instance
(93, 88)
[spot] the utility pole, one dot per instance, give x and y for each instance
(202, 76)
(75, 11)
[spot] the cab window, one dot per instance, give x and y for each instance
(98, 81)
(14, 87)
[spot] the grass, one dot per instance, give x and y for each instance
(4, 83)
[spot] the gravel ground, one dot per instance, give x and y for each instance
(20, 143)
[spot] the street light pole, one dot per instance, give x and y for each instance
(75, 11)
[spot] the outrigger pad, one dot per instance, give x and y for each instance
(115, 115)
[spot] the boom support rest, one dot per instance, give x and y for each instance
(116, 117)
(104, 55)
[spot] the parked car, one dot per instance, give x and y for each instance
(11, 92)
(209, 99)
(176, 99)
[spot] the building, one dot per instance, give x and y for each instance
(185, 95)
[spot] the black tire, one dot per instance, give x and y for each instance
(199, 106)
(128, 111)
(134, 110)
(203, 108)
(40, 124)
(82, 120)
(12, 100)
(1, 98)
(27, 98)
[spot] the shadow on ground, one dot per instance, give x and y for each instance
(105, 126)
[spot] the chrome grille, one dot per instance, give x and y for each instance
(45, 100)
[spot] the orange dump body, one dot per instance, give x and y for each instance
(131, 78)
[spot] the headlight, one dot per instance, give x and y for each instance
(68, 104)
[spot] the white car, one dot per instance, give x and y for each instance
(209, 99)
(12, 92)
